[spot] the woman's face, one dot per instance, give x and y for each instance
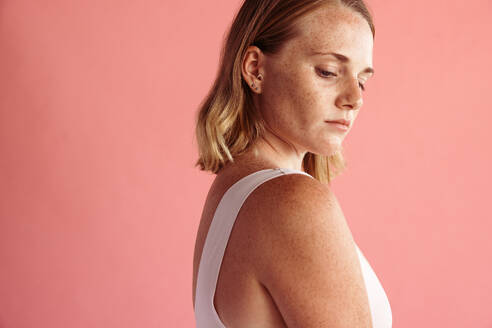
(303, 89)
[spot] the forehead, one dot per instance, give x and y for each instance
(335, 28)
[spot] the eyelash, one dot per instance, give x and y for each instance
(360, 84)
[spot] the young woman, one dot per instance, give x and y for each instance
(273, 248)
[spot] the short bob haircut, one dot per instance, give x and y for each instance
(228, 122)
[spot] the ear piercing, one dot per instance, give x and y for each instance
(259, 77)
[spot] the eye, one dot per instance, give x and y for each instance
(326, 73)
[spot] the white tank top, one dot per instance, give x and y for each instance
(216, 241)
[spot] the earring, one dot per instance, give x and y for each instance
(259, 77)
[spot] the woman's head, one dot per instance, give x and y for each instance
(299, 90)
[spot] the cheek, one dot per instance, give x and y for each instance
(293, 100)
(308, 104)
(300, 97)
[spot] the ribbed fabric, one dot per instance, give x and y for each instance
(216, 241)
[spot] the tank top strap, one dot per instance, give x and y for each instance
(218, 237)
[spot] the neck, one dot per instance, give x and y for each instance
(271, 151)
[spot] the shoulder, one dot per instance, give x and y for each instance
(304, 253)
(290, 199)
(289, 209)
(292, 185)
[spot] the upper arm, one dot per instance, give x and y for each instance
(306, 256)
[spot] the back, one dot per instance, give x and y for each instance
(300, 268)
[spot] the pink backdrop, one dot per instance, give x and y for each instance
(100, 201)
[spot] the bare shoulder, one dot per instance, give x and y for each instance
(292, 201)
(298, 186)
(305, 255)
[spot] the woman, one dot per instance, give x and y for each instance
(273, 248)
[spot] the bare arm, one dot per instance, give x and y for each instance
(307, 258)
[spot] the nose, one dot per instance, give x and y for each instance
(350, 96)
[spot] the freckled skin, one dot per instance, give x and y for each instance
(296, 99)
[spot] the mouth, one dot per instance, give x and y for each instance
(341, 121)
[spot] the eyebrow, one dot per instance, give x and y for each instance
(343, 59)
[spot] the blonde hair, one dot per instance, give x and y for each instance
(227, 122)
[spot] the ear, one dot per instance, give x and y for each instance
(252, 68)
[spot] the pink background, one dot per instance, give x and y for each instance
(100, 201)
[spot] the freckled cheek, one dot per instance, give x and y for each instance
(294, 103)
(309, 103)
(278, 97)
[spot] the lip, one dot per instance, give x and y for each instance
(340, 121)
(338, 126)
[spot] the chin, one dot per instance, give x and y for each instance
(328, 150)
(329, 147)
